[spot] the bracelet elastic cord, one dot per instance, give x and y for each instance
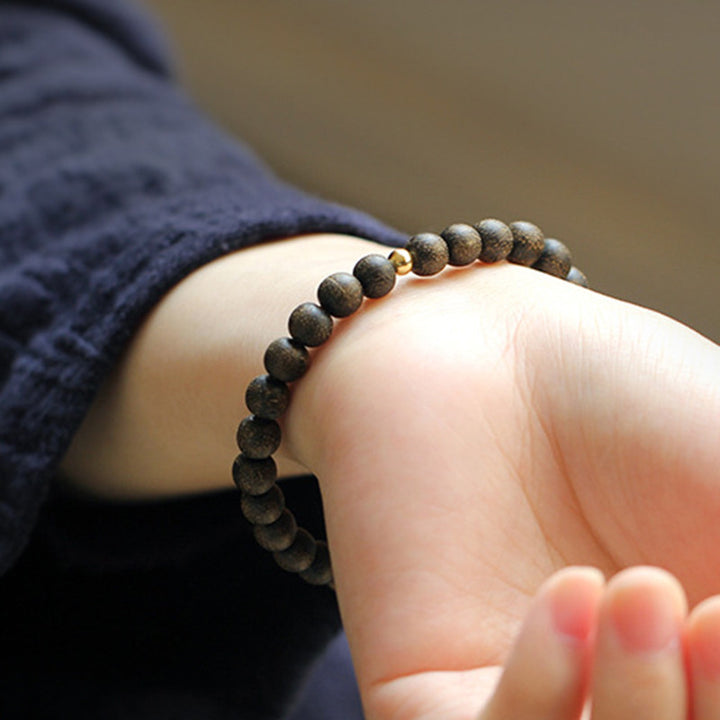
(310, 325)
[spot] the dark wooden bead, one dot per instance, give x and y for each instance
(254, 477)
(267, 397)
(376, 275)
(528, 242)
(429, 253)
(464, 243)
(263, 509)
(278, 535)
(257, 437)
(577, 277)
(554, 259)
(320, 572)
(310, 325)
(300, 555)
(497, 240)
(341, 294)
(286, 359)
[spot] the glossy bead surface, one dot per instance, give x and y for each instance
(497, 240)
(429, 253)
(554, 259)
(340, 294)
(267, 397)
(528, 242)
(463, 242)
(300, 555)
(263, 509)
(577, 277)
(278, 535)
(257, 437)
(376, 275)
(254, 477)
(286, 359)
(320, 572)
(310, 325)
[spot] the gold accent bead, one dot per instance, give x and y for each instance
(401, 260)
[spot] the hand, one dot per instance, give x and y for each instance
(628, 646)
(475, 432)
(472, 433)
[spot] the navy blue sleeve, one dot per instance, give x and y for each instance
(113, 187)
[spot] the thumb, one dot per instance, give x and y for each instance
(546, 675)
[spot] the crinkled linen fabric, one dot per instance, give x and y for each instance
(113, 187)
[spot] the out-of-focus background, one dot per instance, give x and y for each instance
(599, 121)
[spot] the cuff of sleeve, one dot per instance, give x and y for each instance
(55, 377)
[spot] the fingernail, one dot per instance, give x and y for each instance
(705, 639)
(573, 606)
(645, 621)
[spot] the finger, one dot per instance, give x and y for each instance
(639, 670)
(546, 676)
(703, 642)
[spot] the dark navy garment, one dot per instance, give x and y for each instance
(330, 693)
(112, 189)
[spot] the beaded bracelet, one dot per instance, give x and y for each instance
(310, 325)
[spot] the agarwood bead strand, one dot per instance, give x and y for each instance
(577, 277)
(464, 244)
(254, 477)
(429, 252)
(528, 242)
(286, 359)
(310, 325)
(554, 259)
(497, 240)
(300, 555)
(320, 572)
(263, 509)
(376, 275)
(278, 535)
(258, 437)
(341, 294)
(267, 397)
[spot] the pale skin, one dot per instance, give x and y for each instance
(473, 434)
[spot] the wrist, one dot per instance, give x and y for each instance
(163, 423)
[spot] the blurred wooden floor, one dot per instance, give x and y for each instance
(598, 121)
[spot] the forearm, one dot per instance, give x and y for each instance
(117, 189)
(164, 422)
